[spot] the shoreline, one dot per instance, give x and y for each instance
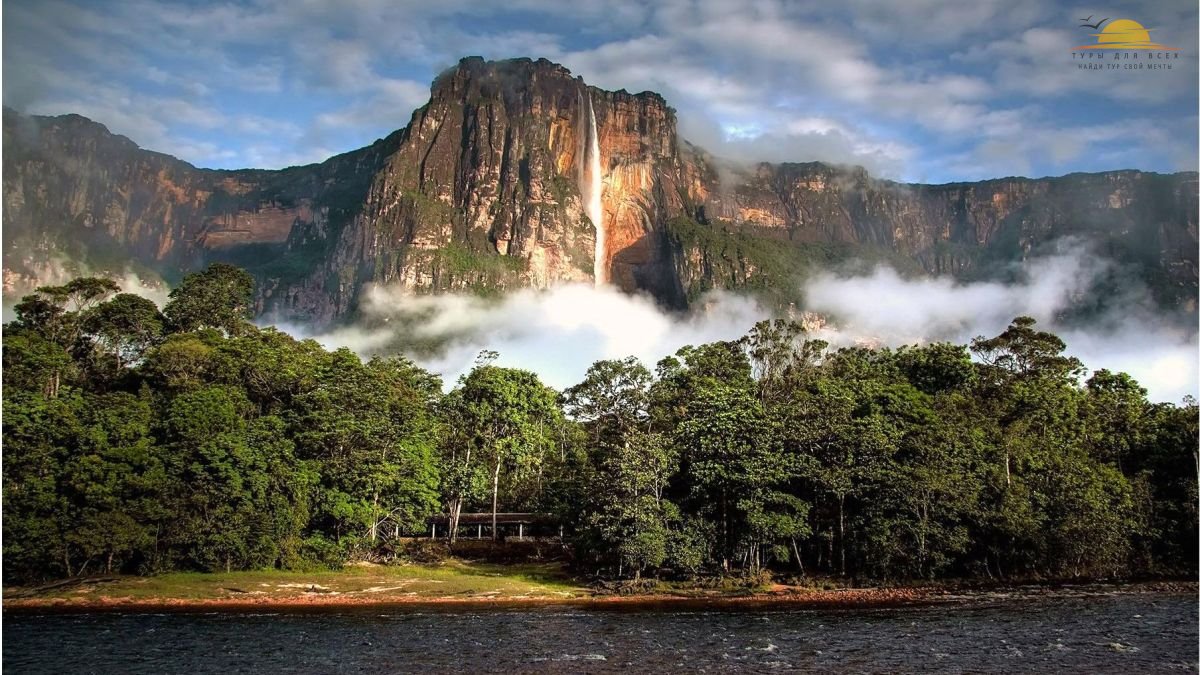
(791, 599)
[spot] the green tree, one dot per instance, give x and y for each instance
(220, 297)
(627, 518)
(124, 328)
(116, 484)
(370, 429)
(735, 473)
(779, 354)
(612, 402)
(49, 324)
(938, 367)
(1117, 416)
(919, 516)
(273, 367)
(237, 490)
(37, 433)
(843, 440)
(183, 362)
(32, 362)
(505, 418)
(1165, 467)
(1023, 352)
(82, 293)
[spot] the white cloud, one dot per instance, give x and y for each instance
(275, 155)
(339, 65)
(1135, 338)
(885, 306)
(785, 139)
(910, 88)
(559, 332)
(1016, 149)
(390, 106)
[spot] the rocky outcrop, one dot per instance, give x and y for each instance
(483, 191)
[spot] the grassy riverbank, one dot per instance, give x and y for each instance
(457, 582)
(358, 583)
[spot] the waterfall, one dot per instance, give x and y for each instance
(591, 187)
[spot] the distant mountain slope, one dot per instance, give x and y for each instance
(485, 190)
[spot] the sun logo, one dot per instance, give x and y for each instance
(1120, 34)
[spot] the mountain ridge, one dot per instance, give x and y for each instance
(8, 110)
(482, 192)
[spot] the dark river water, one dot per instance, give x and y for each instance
(1117, 633)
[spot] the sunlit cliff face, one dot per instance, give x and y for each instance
(518, 174)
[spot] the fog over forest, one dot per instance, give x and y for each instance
(558, 332)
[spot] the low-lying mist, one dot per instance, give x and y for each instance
(59, 270)
(561, 331)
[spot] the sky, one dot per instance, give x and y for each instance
(920, 91)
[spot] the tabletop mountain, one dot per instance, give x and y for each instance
(507, 176)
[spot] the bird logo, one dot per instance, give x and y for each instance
(1083, 23)
(1120, 34)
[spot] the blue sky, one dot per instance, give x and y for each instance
(919, 91)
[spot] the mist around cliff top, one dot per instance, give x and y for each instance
(559, 332)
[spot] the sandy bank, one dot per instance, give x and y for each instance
(791, 598)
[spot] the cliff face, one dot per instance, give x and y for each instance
(1145, 221)
(73, 191)
(486, 189)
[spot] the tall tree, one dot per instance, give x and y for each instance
(626, 517)
(612, 401)
(508, 419)
(370, 429)
(779, 353)
(116, 483)
(220, 297)
(124, 328)
(735, 473)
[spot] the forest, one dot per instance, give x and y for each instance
(141, 440)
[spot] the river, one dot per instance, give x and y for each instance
(1115, 632)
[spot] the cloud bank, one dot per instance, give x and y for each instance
(557, 332)
(1135, 338)
(561, 331)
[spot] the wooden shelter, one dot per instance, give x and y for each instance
(479, 525)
